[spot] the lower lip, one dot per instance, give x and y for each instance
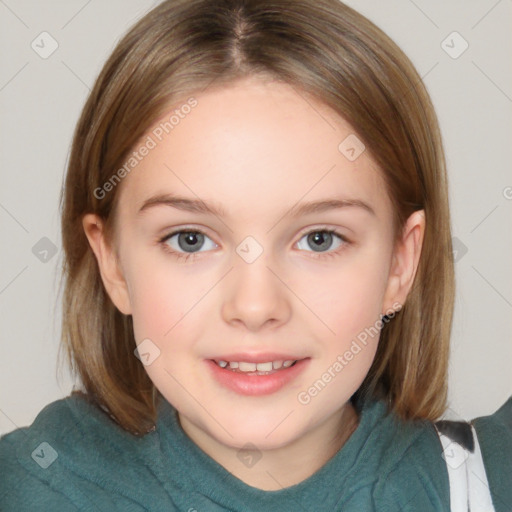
(254, 385)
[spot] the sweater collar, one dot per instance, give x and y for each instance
(166, 467)
(212, 482)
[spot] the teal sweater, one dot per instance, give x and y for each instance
(74, 457)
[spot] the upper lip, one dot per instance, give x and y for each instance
(261, 357)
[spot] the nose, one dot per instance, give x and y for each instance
(255, 296)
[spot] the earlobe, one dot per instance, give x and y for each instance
(108, 263)
(406, 260)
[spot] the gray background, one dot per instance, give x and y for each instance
(40, 101)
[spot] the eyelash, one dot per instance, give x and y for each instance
(180, 256)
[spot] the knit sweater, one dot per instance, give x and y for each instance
(74, 457)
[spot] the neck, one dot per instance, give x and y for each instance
(287, 465)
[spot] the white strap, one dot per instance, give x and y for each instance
(469, 488)
(479, 491)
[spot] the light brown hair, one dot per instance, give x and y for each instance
(324, 49)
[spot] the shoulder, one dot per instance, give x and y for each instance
(20, 487)
(418, 480)
(414, 470)
(500, 421)
(58, 459)
(494, 434)
(403, 465)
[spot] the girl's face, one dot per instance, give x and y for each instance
(244, 269)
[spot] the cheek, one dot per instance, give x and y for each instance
(350, 306)
(162, 297)
(348, 297)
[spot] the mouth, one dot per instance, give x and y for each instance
(251, 368)
(256, 375)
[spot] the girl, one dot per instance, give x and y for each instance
(296, 359)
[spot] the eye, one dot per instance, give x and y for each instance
(186, 243)
(322, 240)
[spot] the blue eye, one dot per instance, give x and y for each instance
(185, 244)
(187, 241)
(323, 239)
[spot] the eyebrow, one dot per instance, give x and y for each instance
(199, 206)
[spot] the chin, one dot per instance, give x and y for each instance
(265, 435)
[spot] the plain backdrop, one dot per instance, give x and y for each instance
(462, 49)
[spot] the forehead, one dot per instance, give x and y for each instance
(250, 146)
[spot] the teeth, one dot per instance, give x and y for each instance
(244, 366)
(247, 367)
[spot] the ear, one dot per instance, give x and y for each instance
(108, 263)
(406, 257)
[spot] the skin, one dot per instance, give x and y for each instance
(257, 148)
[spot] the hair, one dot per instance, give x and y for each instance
(327, 51)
